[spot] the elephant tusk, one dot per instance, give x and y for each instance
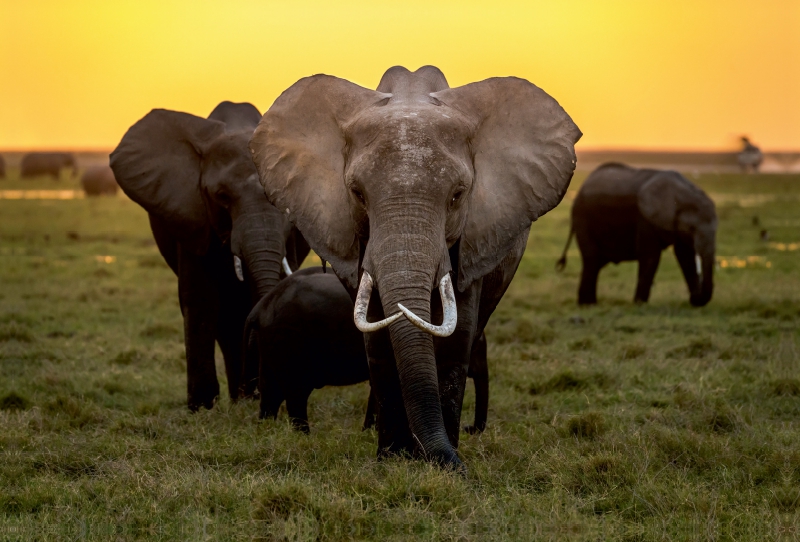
(448, 308)
(237, 266)
(286, 268)
(698, 264)
(362, 303)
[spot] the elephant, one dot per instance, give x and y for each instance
(35, 164)
(99, 180)
(750, 157)
(417, 195)
(301, 336)
(212, 224)
(623, 214)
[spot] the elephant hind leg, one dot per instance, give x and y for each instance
(297, 407)
(271, 395)
(479, 372)
(369, 417)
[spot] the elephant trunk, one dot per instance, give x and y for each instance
(705, 286)
(407, 265)
(257, 236)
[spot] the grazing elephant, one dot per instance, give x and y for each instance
(750, 157)
(301, 336)
(212, 224)
(622, 214)
(35, 164)
(424, 194)
(99, 180)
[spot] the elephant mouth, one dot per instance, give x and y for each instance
(449, 310)
(239, 270)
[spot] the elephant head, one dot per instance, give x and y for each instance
(383, 183)
(673, 204)
(197, 175)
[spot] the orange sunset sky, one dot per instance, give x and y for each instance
(678, 74)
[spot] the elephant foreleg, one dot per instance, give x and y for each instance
(453, 359)
(479, 372)
(199, 304)
(587, 291)
(297, 408)
(230, 325)
(648, 264)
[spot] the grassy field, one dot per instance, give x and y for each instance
(618, 422)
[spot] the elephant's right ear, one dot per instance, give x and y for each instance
(158, 164)
(299, 149)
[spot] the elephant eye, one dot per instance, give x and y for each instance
(359, 196)
(223, 198)
(456, 198)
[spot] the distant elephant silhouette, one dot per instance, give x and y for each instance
(750, 157)
(99, 180)
(35, 164)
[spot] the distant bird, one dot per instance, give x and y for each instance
(750, 157)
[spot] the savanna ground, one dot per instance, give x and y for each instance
(615, 422)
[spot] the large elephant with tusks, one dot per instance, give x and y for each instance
(421, 197)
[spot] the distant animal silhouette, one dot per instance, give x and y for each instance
(623, 214)
(750, 157)
(35, 164)
(99, 180)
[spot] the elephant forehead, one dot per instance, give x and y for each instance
(426, 140)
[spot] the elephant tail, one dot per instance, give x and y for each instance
(562, 262)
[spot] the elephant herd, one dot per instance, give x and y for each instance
(96, 180)
(420, 198)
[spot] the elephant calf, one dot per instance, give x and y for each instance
(623, 214)
(302, 337)
(98, 181)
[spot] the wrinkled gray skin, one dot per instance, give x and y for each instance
(409, 183)
(623, 214)
(99, 180)
(35, 164)
(196, 180)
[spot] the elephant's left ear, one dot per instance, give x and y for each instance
(523, 152)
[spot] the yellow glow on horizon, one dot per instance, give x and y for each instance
(656, 74)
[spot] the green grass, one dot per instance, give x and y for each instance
(616, 422)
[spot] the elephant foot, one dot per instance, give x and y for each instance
(203, 399)
(446, 459)
(474, 429)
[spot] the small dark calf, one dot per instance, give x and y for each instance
(301, 337)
